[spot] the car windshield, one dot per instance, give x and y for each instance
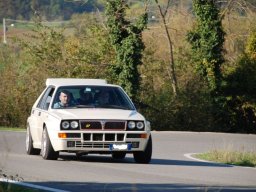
(91, 97)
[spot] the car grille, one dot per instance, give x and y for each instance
(91, 125)
(103, 136)
(115, 125)
(102, 125)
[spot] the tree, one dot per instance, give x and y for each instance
(207, 40)
(240, 90)
(126, 38)
(172, 68)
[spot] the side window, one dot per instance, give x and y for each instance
(46, 99)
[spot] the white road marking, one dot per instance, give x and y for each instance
(31, 185)
(189, 156)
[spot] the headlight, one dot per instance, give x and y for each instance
(131, 124)
(140, 125)
(74, 124)
(65, 124)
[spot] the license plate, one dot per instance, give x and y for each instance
(120, 146)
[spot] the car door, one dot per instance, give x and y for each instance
(41, 113)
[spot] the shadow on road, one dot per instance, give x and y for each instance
(134, 187)
(187, 163)
(108, 159)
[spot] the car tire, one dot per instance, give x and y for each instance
(118, 155)
(144, 157)
(29, 144)
(47, 150)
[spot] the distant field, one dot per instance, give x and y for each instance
(17, 30)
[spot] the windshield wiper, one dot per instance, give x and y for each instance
(113, 107)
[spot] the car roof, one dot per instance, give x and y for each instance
(73, 81)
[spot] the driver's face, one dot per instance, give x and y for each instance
(64, 98)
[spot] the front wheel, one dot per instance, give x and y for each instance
(144, 156)
(47, 150)
(29, 144)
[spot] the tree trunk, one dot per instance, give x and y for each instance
(170, 44)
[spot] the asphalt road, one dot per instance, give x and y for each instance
(169, 169)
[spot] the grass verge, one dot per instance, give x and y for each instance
(230, 157)
(10, 187)
(12, 129)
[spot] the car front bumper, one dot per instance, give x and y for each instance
(100, 141)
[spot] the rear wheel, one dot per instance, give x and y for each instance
(144, 156)
(29, 144)
(118, 155)
(47, 150)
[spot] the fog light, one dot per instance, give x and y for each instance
(135, 144)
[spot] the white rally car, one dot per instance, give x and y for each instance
(87, 116)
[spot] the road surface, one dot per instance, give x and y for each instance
(169, 170)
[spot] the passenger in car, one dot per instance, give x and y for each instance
(85, 98)
(104, 98)
(64, 100)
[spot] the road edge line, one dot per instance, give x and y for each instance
(189, 156)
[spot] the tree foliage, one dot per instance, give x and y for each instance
(47, 52)
(126, 38)
(250, 48)
(83, 55)
(207, 40)
(240, 91)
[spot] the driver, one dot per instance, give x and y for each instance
(64, 100)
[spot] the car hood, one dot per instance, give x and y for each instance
(97, 114)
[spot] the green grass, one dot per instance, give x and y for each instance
(27, 26)
(240, 158)
(10, 187)
(12, 129)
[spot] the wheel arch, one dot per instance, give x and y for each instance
(51, 133)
